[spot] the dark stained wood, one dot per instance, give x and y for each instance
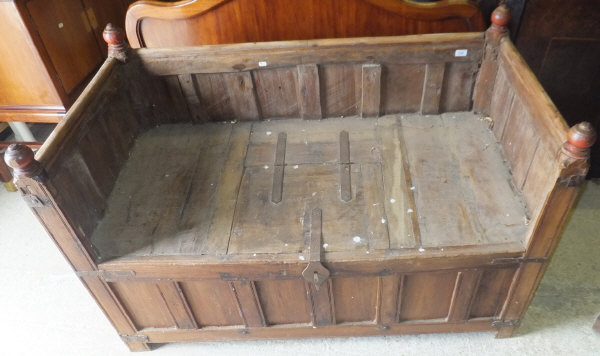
(277, 92)
(309, 91)
(154, 24)
(278, 167)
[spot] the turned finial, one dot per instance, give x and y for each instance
(21, 159)
(500, 19)
(115, 38)
(580, 139)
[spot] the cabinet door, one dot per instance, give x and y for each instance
(102, 12)
(67, 36)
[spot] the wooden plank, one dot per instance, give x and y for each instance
(550, 125)
(283, 301)
(276, 89)
(309, 91)
(316, 143)
(242, 96)
(187, 87)
(458, 86)
(245, 293)
(485, 83)
(214, 93)
(520, 141)
(157, 217)
(540, 179)
(177, 305)
(491, 292)
(322, 303)
(402, 87)
(340, 89)
(371, 90)
(396, 194)
(466, 285)
(278, 168)
(344, 330)
(390, 288)
(501, 103)
(471, 212)
(287, 265)
(427, 296)
(399, 50)
(144, 303)
(175, 97)
(212, 303)
(355, 299)
(345, 188)
(218, 236)
(432, 88)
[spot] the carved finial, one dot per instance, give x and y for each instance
(500, 18)
(576, 153)
(579, 140)
(21, 159)
(115, 38)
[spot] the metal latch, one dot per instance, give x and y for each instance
(315, 272)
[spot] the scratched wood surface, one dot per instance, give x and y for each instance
(399, 181)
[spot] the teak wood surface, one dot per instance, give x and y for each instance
(441, 181)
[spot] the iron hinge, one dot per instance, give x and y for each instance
(505, 323)
(34, 201)
(134, 338)
(518, 260)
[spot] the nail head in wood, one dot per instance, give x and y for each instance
(115, 38)
(579, 140)
(21, 159)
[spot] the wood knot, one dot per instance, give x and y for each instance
(500, 17)
(579, 140)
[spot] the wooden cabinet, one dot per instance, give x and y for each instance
(49, 49)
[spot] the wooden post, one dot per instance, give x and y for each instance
(574, 165)
(32, 181)
(486, 78)
(115, 38)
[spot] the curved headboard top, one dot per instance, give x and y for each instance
(201, 22)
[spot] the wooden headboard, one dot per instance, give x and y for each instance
(202, 22)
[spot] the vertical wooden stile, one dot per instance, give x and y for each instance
(249, 305)
(432, 88)
(371, 90)
(190, 93)
(464, 292)
(309, 91)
